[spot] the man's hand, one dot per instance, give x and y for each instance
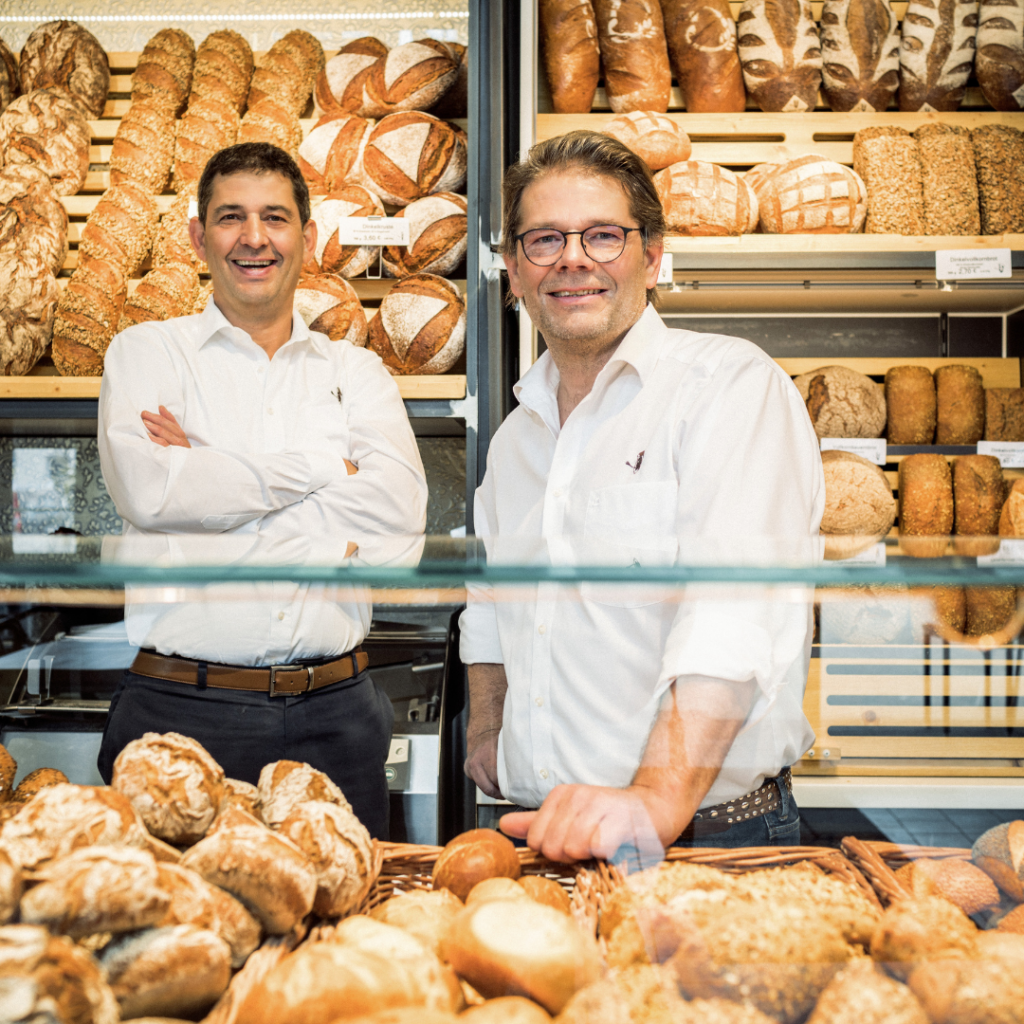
(482, 761)
(163, 429)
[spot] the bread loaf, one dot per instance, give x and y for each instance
(41, 778)
(949, 180)
(421, 326)
(203, 297)
(496, 889)
(9, 77)
(332, 256)
(842, 402)
(163, 75)
(860, 48)
(705, 199)
(47, 128)
(471, 857)
(958, 881)
(413, 76)
(143, 149)
(271, 121)
(960, 405)
(121, 227)
(88, 312)
(207, 126)
(437, 237)
(1004, 414)
(173, 244)
(998, 152)
(223, 71)
(999, 852)
(858, 497)
(979, 493)
(10, 887)
(780, 53)
(634, 55)
(701, 38)
(989, 610)
(412, 154)
(455, 101)
(937, 53)
(332, 151)
(29, 296)
(329, 304)
(656, 139)
(570, 53)
(957, 988)
(1011, 518)
(64, 55)
(164, 293)
(999, 60)
(284, 76)
(8, 773)
(427, 915)
(307, 50)
(283, 785)
(341, 86)
(888, 160)
(926, 496)
(243, 794)
(811, 195)
(865, 993)
(506, 1010)
(910, 405)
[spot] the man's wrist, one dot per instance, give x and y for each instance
(671, 808)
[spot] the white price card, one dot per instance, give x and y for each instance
(1011, 552)
(373, 231)
(399, 751)
(193, 208)
(956, 264)
(870, 448)
(665, 273)
(1009, 453)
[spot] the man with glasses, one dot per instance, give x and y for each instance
(618, 716)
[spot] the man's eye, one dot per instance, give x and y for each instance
(545, 239)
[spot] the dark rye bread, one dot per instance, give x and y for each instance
(999, 63)
(1004, 414)
(911, 405)
(998, 157)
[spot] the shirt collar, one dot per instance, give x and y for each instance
(213, 322)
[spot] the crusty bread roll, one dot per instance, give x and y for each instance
(207, 126)
(272, 122)
(655, 138)
(937, 53)
(29, 294)
(427, 915)
(34, 219)
(949, 180)
(330, 153)
(341, 87)
(331, 254)
(912, 930)
(955, 988)
(958, 881)
(329, 304)
(243, 794)
(888, 159)
(960, 405)
(634, 54)
(810, 196)
(64, 55)
(546, 890)
(223, 71)
(412, 76)
(701, 37)
(88, 312)
(121, 227)
(860, 47)
(978, 494)
(863, 992)
(473, 856)
(998, 152)
(911, 405)
(163, 75)
(1004, 414)
(143, 149)
(999, 852)
(41, 778)
(926, 496)
(10, 887)
(283, 785)
(999, 60)
(499, 888)
(842, 402)
(858, 498)
(164, 293)
(437, 237)
(506, 1010)
(780, 53)
(570, 53)
(701, 198)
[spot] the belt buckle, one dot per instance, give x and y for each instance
(274, 669)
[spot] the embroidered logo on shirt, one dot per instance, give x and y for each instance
(337, 394)
(639, 462)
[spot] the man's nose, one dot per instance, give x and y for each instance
(254, 234)
(574, 255)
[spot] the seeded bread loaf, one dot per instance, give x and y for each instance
(28, 304)
(937, 53)
(998, 156)
(960, 405)
(911, 406)
(926, 496)
(571, 53)
(780, 52)
(88, 312)
(1011, 518)
(701, 38)
(64, 55)
(860, 47)
(208, 125)
(172, 244)
(888, 160)
(1004, 414)
(41, 778)
(979, 493)
(163, 75)
(143, 149)
(858, 497)
(273, 122)
(842, 402)
(634, 54)
(223, 71)
(999, 61)
(949, 180)
(121, 227)
(989, 609)
(287, 72)
(164, 293)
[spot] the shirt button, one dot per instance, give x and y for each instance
(541, 629)
(539, 702)
(270, 412)
(543, 773)
(280, 615)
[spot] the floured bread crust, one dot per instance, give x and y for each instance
(243, 794)
(285, 784)
(10, 888)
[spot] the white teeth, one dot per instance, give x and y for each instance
(590, 291)
(254, 263)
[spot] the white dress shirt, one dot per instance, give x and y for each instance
(687, 444)
(269, 438)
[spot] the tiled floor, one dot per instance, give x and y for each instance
(827, 827)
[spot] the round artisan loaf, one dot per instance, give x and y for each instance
(780, 53)
(29, 295)
(88, 312)
(242, 794)
(910, 405)
(912, 930)
(340, 850)
(455, 102)
(47, 128)
(143, 149)
(427, 915)
(958, 881)
(758, 173)
(163, 75)
(268, 873)
(9, 77)
(206, 127)
(437, 237)
(960, 405)
(164, 293)
(178, 971)
(842, 402)
(330, 153)
(10, 887)
(999, 852)
(706, 199)
(223, 71)
(97, 889)
(473, 856)
(172, 244)
(341, 87)
(171, 780)
(421, 326)
(811, 195)
(121, 227)
(926, 496)
(858, 497)
(655, 138)
(329, 304)
(331, 255)
(979, 493)
(413, 76)
(273, 122)
(32, 218)
(64, 55)
(283, 785)
(413, 154)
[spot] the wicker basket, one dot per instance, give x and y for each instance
(880, 861)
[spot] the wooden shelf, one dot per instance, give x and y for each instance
(776, 244)
(995, 372)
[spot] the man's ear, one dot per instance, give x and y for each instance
(652, 261)
(309, 237)
(512, 266)
(197, 236)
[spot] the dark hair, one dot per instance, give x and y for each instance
(253, 158)
(591, 153)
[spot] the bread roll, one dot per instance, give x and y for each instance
(700, 198)
(926, 496)
(332, 256)
(811, 195)
(780, 53)
(888, 160)
(172, 244)
(8, 773)
(283, 785)
(88, 312)
(957, 989)
(999, 60)
(10, 887)
(960, 398)
(143, 149)
(41, 778)
(860, 46)
(206, 127)
(473, 856)
(341, 86)
(998, 152)
(47, 128)
(270, 121)
(421, 326)
(222, 72)
(911, 405)
(1004, 414)
(842, 402)
(412, 76)
(937, 53)
(329, 304)
(411, 155)
(865, 993)
(570, 53)
(999, 852)
(950, 187)
(9, 77)
(32, 218)
(634, 55)
(437, 237)
(64, 55)
(163, 76)
(858, 497)
(912, 930)
(701, 38)
(29, 296)
(427, 915)
(979, 493)
(546, 890)
(242, 794)
(506, 1010)
(958, 881)
(163, 294)
(655, 138)
(331, 152)
(496, 889)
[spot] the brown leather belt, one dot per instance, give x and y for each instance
(277, 680)
(721, 817)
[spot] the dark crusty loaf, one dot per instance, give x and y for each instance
(571, 53)
(998, 157)
(1004, 414)
(87, 316)
(455, 102)
(960, 405)
(780, 52)
(207, 126)
(163, 75)
(937, 53)
(143, 149)
(64, 55)
(949, 181)
(926, 496)
(860, 48)
(223, 70)
(888, 160)
(634, 54)
(842, 402)
(999, 62)
(121, 227)
(910, 405)
(28, 301)
(164, 293)
(701, 38)
(9, 77)
(32, 218)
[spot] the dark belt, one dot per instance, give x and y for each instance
(721, 817)
(277, 680)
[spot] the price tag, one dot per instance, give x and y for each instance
(1009, 453)
(1011, 552)
(957, 264)
(373, 231)
(870, 448)
(193, 208)
(399, 751)
(874, 555)
(665, 273)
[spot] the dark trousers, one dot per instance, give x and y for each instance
(343, 730)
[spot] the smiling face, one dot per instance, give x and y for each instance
(578, 304)
(255, 244)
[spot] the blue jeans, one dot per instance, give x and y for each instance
(780, 827)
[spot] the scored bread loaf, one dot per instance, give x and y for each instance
(455, 102)
(1004, 414)
(998, 157)
(222, 71)
(244, 795)
(978, 495)
(701, 38)
(860, 49)
(206, 127)
(937, 53)
(811, 195)
(960, 413)
(32, 218)
(656, 139)
(143, 149)
(427, 915)
(163, 75)
(329, 304)
(9, 77)
(332, 255)
(285, 784)
(910, 405)
(926, 496)
(999, 60)
(88, 312)
(341, 86)
(413, 76)
(273, 122)
(780, 53)
(701, 198)
(858, 497)
(28, 305)
(842, 402)
(285, 75)
(121, 227)
(571, 53)
(634, 55)
(64, 55)
(888, 160)
(437, 237)
(949, 181)
(331, 152)
(172, 244)
(421, 326)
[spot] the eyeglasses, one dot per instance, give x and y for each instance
(602, 243)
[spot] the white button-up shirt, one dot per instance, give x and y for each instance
(269, 438)
(687, 444)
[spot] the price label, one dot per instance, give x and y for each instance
(958, 264)
(665, 273)
(1009, 453)
(399, 751)
(874, 555)
(871, 448)
(193, 208)
(1011, 552)
(373, 231)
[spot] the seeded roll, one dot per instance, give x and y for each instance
(960, 397)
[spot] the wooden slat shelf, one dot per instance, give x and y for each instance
(774, 244)
(995, 372)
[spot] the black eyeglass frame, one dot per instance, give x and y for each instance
(565, 238)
